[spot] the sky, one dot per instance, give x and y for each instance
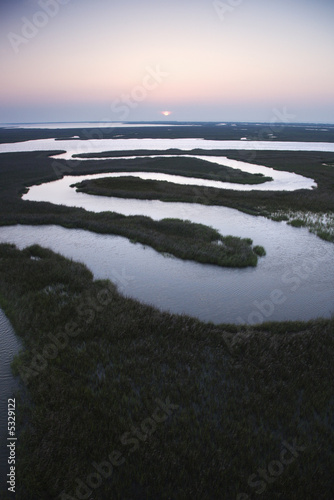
(201, 60)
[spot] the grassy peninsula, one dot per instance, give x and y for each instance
(134, 187)
(97, 368)
(189, 167)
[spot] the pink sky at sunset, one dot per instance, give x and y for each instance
(214, 65)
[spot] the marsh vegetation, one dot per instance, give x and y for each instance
(95, 362)
(237, 393)
(192, 167)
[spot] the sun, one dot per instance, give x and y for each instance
(166, 113)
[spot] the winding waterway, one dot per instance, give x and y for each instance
(78, 146)
(298, 264)
(281, 181)
(294, 281)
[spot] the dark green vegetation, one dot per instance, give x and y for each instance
(260, 251)
(194, 167)
(297, 223)
(238, 393)
(134, 187)
(183, 239)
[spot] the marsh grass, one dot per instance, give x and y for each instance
(236, 406)
(259, 250)
(297, 223)
(134, 187)
(190, 167)
(319, 223)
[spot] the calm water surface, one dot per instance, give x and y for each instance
(76, 146)
(298, 264)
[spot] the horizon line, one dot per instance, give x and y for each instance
(253, 122)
